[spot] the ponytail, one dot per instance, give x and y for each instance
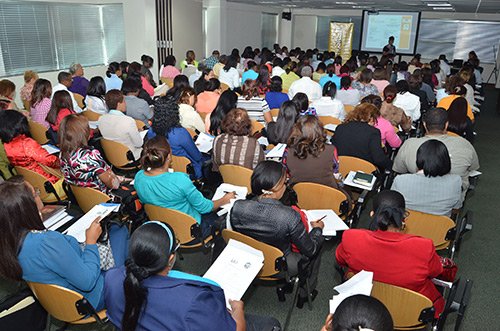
(135, 295)
(386, 216)
(113, 67)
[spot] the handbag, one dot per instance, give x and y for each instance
(450, 269)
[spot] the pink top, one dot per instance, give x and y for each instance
(40, 110)
(147, 86)
(380, 84)
(170, 72)
(387, 133)
(207, 101)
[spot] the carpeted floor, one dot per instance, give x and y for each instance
(478, 260)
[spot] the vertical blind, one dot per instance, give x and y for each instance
(269, 30)
(49, 36)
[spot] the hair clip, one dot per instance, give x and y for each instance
(266, 192)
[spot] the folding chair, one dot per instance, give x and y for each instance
(318, 196)
(457, 301)
(119, 155)
(348, 108)
(275, 112)
(27, 105)
(168, 81)
(180, 163)
(329, 120)
(224, 87)
(87, 197)
(236, 175)
(48, 193)
(91, 116)
(275, 268)
(256, 127)
(140, 125)
(66, 305)
(38, 132)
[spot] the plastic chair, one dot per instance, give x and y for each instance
(38, 132)
(275, 112)
(223, 87)
(66, 305)
(180, 163)
(168, 81)
(236, 175)
(26, 105)
(329, 120)
(140, 125)
(348, 108)
(92, 116)
(79, 100)
(318, 196)
(118, 154)
(48, 193)
(87, 197)
(256, 127)
(351, 163)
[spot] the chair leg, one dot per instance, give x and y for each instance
(309, 299)
(290, 310)
(63, 328)
(181, 257)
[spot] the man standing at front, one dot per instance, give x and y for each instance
(390, 49)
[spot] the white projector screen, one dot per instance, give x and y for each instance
(378, 26)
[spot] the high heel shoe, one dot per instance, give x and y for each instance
(302, 300)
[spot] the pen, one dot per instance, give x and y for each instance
(322, 218)
(229, 192)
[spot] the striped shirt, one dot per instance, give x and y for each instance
(256, 107)
(238, 150)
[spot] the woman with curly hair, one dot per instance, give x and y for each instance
(358, 137)
(308, 158)
(235, 146)
(166, 122)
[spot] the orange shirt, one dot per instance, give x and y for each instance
(207, 101)
(446, 103)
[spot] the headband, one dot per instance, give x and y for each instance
(169, 232)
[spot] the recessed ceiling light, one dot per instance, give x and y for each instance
(439, 5)
(443, 8)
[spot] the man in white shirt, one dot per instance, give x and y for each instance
(117, 126)
(277, 68)
(306, 85)
(65, 80)
(410, 103)
(443, 64)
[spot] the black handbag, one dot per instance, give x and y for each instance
(30, 318)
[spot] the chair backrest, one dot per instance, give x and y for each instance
(351, 163)
(92, 116)
(329, 120)
(179, 163)
(192, 133)
(256, 127)
(236, 175)
(37, 181)
(224, 87)
(318, 196)
(452, 134)
(434, 227)
(168, 81)
(57, 301)
(405, 306)
(26, 105)
(79, 100)
(275, 112)
(140, 125)
(87, 197)
(181, 223)
(38, 132)
(271, 253)
(115, 152)
(348, 108)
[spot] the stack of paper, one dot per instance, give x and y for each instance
(241, 194)
(51, 149)
(235, 269)
(361, 283)
(143, 134)
(93, 124)
(55, 216)
(78, 229)
(204, 142)
(276, 152)
(333, 222)
(350, 181)
(330, 127)
(263, 141)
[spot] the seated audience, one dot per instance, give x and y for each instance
(136, 108)
(388, 134)
(169, 71)
(302, 102)
(212, 60)
(124, 70)
(136, 68)
(41, 101)
(306, 85)
(348, 95)
(7, 94)
(117, 126)
(308, 158)
(319, 72)
(424, 86)
(65, 80)
(113, 80)
(409, 261)
(166, 122)
(199, 84)
(275, 97)
(219, 65)
(328, 105)
(189, 60)
(289, 76)
(95, 96)
(81, 164)
(264, 218)
(463, 155)
(394, 114)
(30, 78)
(136, 76)
(60, 108)
(415, 84)
(23, 151)
(190, 119)
(458, 121)
(229, 75)
(364, 85)
(157, 186)
(358, 137)
(256, 106)
(279, 131)
(457, 92)
(227, 101)
(410, 103)
(147, 64)
(380, 79)
(234, 145)
(250, 73)
(263, 80)
(80, 84)
(180, 83)
(432, 189)
(207, 100)
(359, 312)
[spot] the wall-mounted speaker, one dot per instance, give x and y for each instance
(286, 16)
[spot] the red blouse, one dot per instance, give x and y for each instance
(25, 152)
(62, 114)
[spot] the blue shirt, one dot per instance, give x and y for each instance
(53, 258)
(325, 79)
(172, 190)
(113, 83)
(249, 74)
(276, 99)
(182, 144)
(178, 301)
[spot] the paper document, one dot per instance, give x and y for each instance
(235, 269)
(241, 194)
(143, 134)
(77, 230)
(204, 142)
(330, 127)
(333, 222)
(473, 173)
(93, 124)
(55, 216)
(350, 182)
(263, 141)
(361, 283)
(51, 149)
(277, 151)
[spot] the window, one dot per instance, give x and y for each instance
(46, 36)
(269, 30)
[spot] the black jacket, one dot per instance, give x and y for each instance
(271, 222)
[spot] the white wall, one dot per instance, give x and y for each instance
(304, 31)
(187, 28)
